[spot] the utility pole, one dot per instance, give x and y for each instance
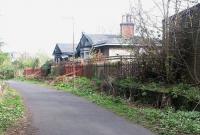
(73, 56)
(73, 44)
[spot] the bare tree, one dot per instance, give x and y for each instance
(165, 23)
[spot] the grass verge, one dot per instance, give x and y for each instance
(164, 122)
(11, 109)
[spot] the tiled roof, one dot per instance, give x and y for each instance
(101, 39)
(98, 39)
(65, 47)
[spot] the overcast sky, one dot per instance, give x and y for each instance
(33, 25)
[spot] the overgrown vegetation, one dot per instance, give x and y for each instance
(9, 69)
(11, 109)
(166, 121)
(190, 92)
(46, 68)
(12, 66)
(6, 68)
(180, 96)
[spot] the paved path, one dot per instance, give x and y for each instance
(59, 113)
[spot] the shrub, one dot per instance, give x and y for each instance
(57, 70)
(192, 93)
(46, 68)
(7, 72)
(127, 87)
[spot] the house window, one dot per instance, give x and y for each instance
(82, 55)
(187, 25)
(86, 54)
(199, 23)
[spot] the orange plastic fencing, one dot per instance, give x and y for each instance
(31, 71)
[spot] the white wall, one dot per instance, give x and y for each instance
(118, 51)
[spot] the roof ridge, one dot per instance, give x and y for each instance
(103, 34)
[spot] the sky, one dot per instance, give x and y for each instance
(37, 25)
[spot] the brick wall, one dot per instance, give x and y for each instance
(127, 30)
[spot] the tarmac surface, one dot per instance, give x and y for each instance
(55, 112)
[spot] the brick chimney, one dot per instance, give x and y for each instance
(127, 26)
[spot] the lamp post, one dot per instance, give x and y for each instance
(73, 44)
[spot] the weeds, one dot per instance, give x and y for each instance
(165, 122)
(11, 109)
